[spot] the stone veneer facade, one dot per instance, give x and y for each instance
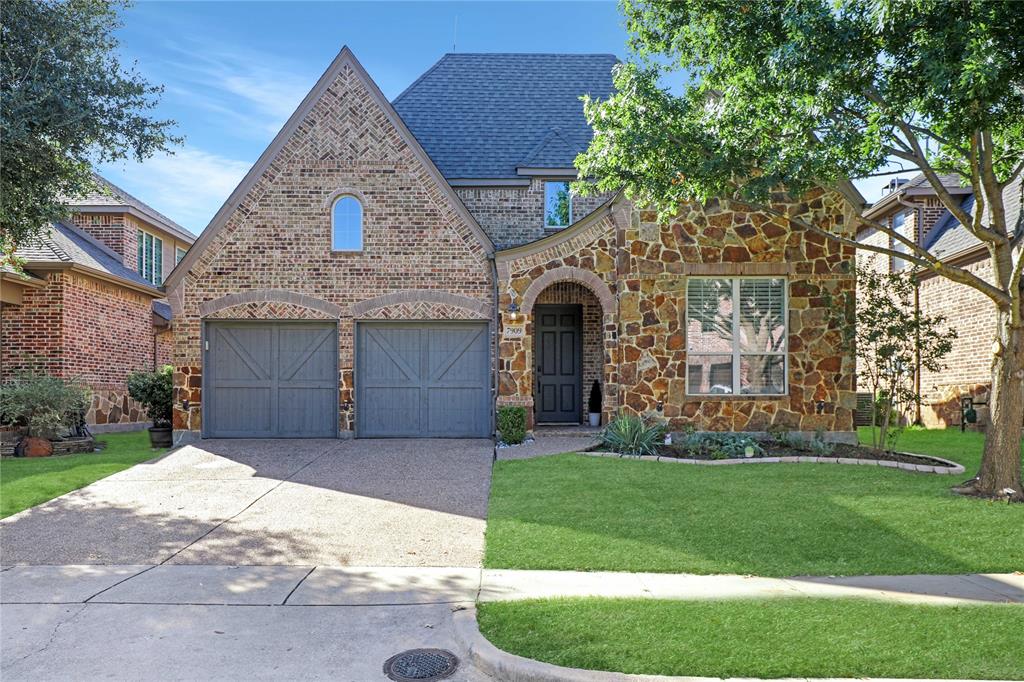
(425, 258)
(638, 268)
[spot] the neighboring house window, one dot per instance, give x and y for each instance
(899, 226)
(179, 253)
(557, 204)
(150, 257)
(736, 336)
(347, 224)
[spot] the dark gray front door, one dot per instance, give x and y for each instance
(557, 351)
(422, 379)
(271, 380)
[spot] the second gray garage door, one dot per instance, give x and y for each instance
(422, 379)
(271, 379)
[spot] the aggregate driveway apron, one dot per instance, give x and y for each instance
(272, 502)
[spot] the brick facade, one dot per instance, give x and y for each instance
(415, 238)
(82, 328)
(270, 258)
(515, 215)
(971, 313)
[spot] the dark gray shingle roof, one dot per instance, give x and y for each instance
(109, 194)
(949, 237)
(66, 244)
(162, 309)
(482, 115)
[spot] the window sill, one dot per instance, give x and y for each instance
(733, 396)
(347, 252)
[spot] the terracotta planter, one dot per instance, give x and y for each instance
(31, 446)
(160, 436)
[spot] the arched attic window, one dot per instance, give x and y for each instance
(347, 224)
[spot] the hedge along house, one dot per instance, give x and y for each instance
(351, 284)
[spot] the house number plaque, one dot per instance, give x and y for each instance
(513, 331)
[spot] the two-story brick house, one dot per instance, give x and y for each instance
(89, 303)
(912, 208)
(402, 268)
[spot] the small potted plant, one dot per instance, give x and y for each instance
(154, 390)
(42, 406)
(594, 404)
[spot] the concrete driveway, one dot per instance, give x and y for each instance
(272, 502)
(248, 560)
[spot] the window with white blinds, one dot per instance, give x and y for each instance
(736, 336)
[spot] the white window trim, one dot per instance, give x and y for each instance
(177, 250)
(544, 217)
(142, 273)
(735, 354)
(338, 196)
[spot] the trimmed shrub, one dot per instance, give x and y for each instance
(512, 424)
(46, 406)
(155, 391)
(632, 435)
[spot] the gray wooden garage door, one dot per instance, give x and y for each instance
(271, 380)
(422, 379)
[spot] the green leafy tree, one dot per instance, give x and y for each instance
(894, 341)
(740, 99)
(558, 214)
(66, 101)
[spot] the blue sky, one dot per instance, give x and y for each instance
(235, 71)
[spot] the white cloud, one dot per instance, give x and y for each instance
(247, 85)
(188, 186)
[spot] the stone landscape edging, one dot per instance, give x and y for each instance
(950, 467)
(505, 666)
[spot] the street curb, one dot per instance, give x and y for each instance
(942, 466)
(502, 665)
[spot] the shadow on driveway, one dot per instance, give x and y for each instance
(263, 502)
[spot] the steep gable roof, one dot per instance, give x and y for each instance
(109, 196)
(344, 59)
(66, 245)
(484, 115)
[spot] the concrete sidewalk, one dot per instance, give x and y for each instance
(179, 584)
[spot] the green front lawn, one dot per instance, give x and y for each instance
(25, 483)
(573, 512)
(771, 638)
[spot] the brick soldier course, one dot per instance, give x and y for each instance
(428, 254)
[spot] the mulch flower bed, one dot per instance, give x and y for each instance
(842, 450)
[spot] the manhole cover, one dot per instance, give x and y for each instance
(421, 664)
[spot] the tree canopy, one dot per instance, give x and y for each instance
(66, 102)
(743, 99)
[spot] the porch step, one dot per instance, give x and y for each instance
(566, 431)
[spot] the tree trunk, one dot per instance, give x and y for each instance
(1001, 461)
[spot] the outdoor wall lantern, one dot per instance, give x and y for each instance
(513, 313)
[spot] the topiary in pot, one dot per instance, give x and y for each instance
(594, 404)
(44, 406)
(155, 390)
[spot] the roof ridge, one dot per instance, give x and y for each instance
(421, 77)
(131, 199)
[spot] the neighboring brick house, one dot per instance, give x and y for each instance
(913, 208)
(89, 304)
(351, 285)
